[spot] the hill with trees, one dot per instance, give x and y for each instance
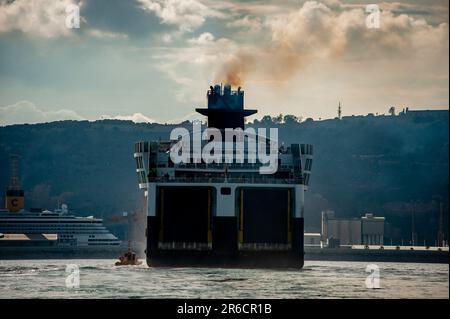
(378, 164)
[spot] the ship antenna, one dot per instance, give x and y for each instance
(339, 110)
(14, 182)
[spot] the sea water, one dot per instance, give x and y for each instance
(318, 279)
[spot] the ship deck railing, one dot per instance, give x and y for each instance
(238, 180)
(184, 246)
(225, 166)
(264, 246)
(208, 246)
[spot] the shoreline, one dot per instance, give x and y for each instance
(311, 254)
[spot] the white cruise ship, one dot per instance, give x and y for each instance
(68, 230)
(38, 233)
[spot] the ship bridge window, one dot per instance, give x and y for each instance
(306, 149)
(306, 179)
(225, 191)
(139, 162)
(308, 164)
(141, 177)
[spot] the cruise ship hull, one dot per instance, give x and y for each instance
(10, 253)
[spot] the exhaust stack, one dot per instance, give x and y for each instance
(225, 107)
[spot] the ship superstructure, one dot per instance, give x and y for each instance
(226, 214)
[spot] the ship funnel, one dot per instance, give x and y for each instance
(64, 209)
(15, 200)
(225, 108)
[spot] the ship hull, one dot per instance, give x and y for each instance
(19, 253)
(275, 260)
(224, 251)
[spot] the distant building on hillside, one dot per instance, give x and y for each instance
(367, 230)
(423, 113)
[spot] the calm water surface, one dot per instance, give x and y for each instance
(318, 279)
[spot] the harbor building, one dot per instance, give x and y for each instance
(367, 230)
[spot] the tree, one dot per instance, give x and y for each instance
(278, 119)
(290, 119)
(266, 120)
(392, 110)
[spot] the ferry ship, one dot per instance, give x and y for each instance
(223, 214)
(38, 233)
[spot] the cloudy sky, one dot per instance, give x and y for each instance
(153, 60)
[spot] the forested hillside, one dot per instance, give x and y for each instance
(378, 164)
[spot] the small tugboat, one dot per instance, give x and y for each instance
(128, 259)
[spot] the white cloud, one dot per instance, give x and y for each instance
(192, 116)
(248, 23)
(316, 32)
(167, 38)
(136, 118)
(27, 112)
(187, 15)
(324, 48)
(193, 67)
(44, 18)
(106, 34)
(203, 39)
(288, 42)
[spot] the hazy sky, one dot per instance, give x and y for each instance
(154, 60)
